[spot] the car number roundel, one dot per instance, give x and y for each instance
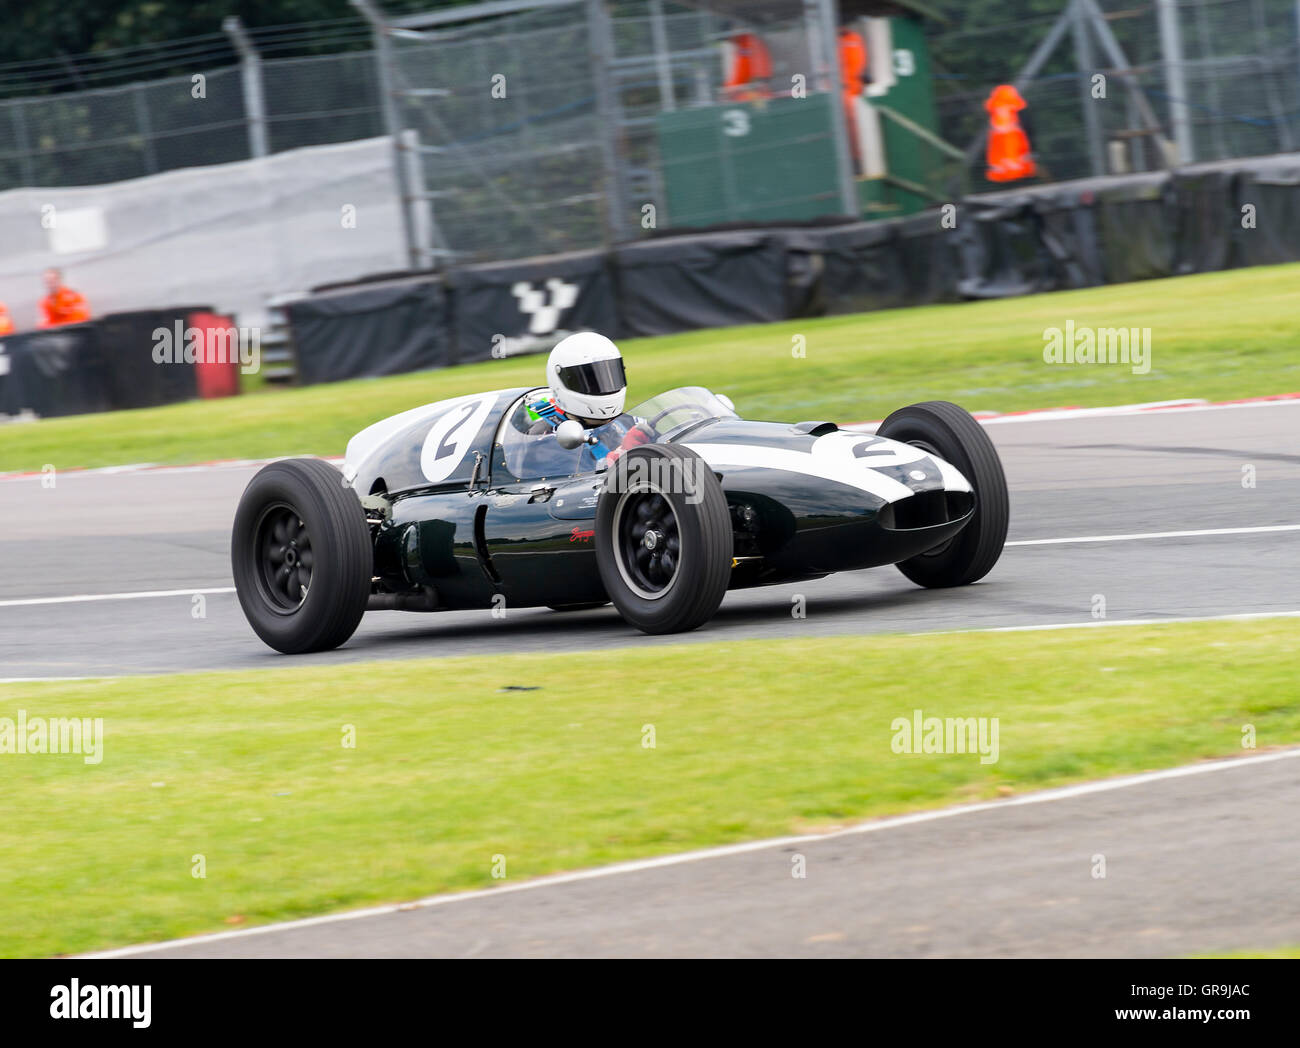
(865, 449)
(450, 437)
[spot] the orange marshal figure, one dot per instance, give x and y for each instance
(1008, 152)
(62, 305)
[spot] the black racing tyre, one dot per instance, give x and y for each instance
(578, 607)
(948, 431)
(663, 539)
(302, 556)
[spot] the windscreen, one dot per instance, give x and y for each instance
(678, 409)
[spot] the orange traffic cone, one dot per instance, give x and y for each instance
(1008, 152)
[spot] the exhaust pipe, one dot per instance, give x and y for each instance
(425, 599)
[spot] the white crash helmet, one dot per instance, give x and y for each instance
(586, 376)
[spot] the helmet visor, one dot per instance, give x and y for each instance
(598, 378)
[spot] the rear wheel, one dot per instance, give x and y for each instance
(301, 556)
(663, 539)
(948, 431)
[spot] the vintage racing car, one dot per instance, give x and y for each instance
(462, 504)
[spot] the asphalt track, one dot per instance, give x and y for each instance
(1194, 861)
(107, 534)
(1199, 862)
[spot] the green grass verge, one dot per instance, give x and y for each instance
(1215, 335)
(1275, 953)
(753, 739)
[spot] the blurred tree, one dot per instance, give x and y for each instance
(1023, 22)
(55, 30)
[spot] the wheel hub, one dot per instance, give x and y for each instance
(283, 549)
(648, 543)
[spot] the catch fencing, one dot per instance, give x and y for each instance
(1181, 81)
(110, 134)
(226, 236)
(461, 140)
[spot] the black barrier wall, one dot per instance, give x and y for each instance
(1016, 242)
(106, 364)
(135, 379)
(55, 372)
(511, 308)
(377, 329)
(691, 282)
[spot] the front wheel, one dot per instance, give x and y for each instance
(948, 431)
(663, 539)
(301, 556)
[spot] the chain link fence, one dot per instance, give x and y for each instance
(504, 137)
(1220, 78)
(320, 100)
(530, 133)
(1242, 68)
(110, 134)
(583, 123)
(675, 62)
(229, 237)
(544, 132)
(115, 133)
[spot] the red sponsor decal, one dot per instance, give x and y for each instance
(578, 535)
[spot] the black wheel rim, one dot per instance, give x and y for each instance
(648, 543)
(282, 548)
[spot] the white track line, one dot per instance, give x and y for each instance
(144, 594)
(153, 469)
(1204, 532)
(1155, 408)
(1157, 535)
(48, 680)
(1242, 616)
(1174, 407)
(82, 598)
(639, 865)
(1158, 407)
